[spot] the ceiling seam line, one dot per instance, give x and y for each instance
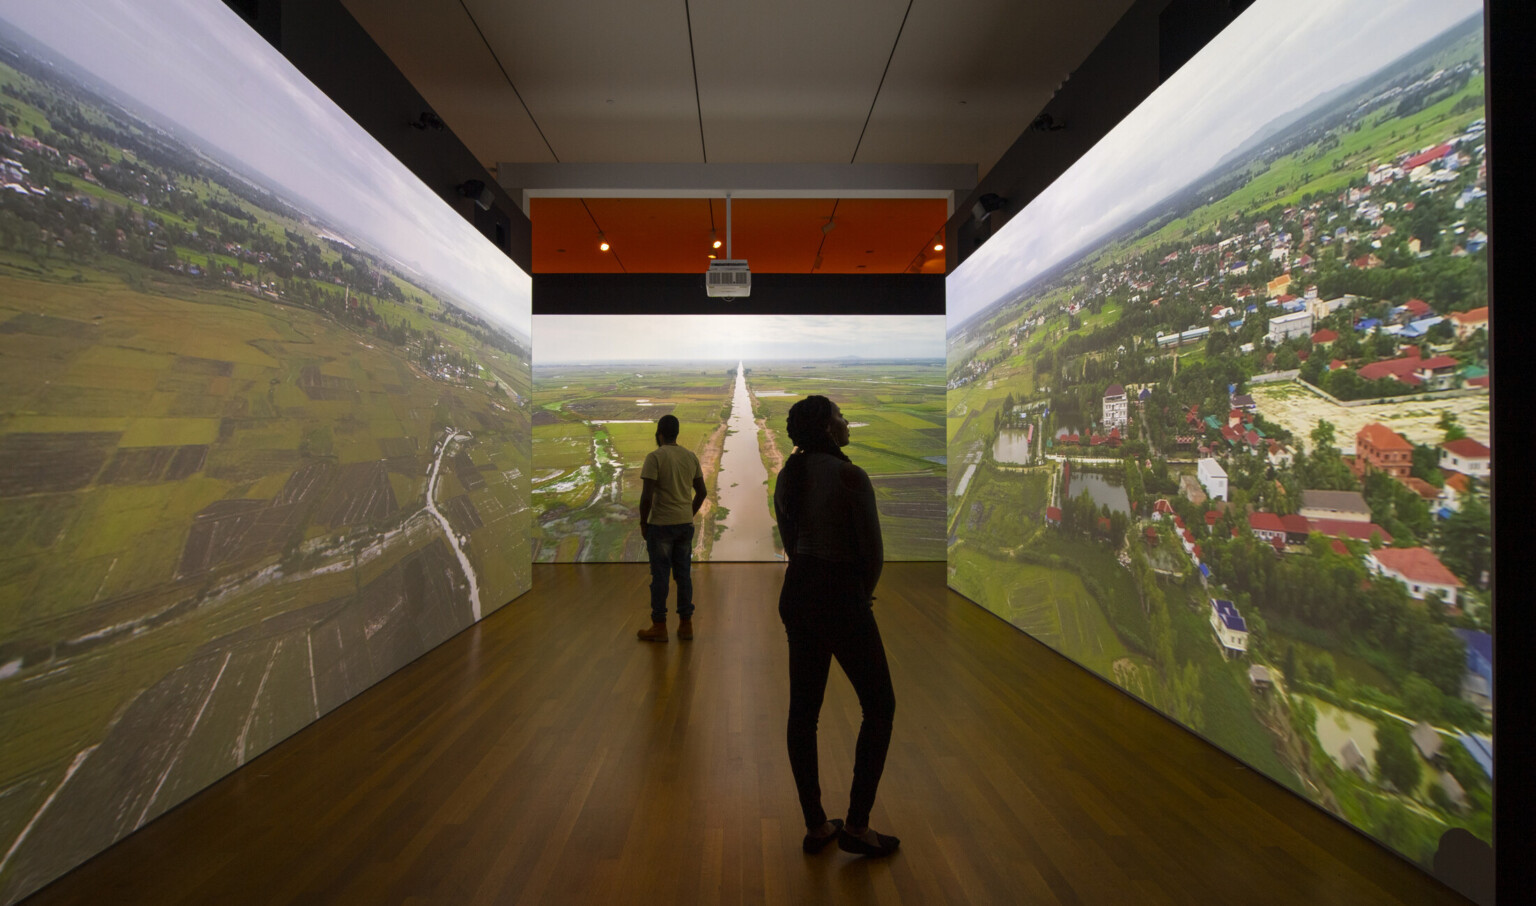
(593, 218)
(883, 74)
(508, 76)
(698, 105)
(823, 244)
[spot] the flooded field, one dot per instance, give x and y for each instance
(1105, 490)
(1012, 445)
(743, 485)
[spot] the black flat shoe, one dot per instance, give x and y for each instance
(849, 843)
(815, 844)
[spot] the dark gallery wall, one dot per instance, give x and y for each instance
(1511, 85)
(322, 40)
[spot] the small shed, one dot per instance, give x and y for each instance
(1353, 760)
(1453, 791)
(1427, 740)
(1259, 678)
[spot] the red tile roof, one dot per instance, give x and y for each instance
(1421, 487)
(1324, 335)
(1211, 516)
(1296, 524)
(1265, 522)
(1416, 564)
(1383, 438)
(1053, 513)
(1401, 369)
(1359, 531)
(1467, 448)
(1430, 156)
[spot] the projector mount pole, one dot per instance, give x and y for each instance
(728, 226)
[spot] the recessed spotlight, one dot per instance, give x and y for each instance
(862, 266)
(713, 256)
(561, 251)
(938, 246)
(869, 251)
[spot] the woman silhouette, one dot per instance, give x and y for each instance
(826, 513)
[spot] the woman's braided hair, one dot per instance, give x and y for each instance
(807, 425)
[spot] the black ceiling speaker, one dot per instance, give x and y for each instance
(986, 204)
(479, 191)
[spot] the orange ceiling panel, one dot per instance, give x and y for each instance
(777, 236)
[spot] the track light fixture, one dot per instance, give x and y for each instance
(714, 240)
(602, 241)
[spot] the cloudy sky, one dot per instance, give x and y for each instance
(199, 66)
(1277, 57)
(747, 338)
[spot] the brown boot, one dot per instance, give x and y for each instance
(685, 630)
(657, 633)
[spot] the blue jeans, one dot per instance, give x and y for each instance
(671, 550)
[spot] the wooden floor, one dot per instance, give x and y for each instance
(546, 756)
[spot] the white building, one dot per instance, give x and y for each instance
(1466, 456)
(1213, 478)
(1231, 631)
(1296, 324)
(1418, 569)
(1116, 409)
(1348, 506)
(1322, 308)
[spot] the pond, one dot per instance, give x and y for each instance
(1336, 726)
(1012, 445)
(1104, 489)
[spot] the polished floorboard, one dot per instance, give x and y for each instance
(546, 756)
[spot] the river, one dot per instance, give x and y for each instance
(743, 487)
(448, 533)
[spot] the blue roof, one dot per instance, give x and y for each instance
(1479, 652)
(1368, 323)
(1229, 615)
(1205, 571)
(1235, 324)
(1481, 749)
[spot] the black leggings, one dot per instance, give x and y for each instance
(827, 615)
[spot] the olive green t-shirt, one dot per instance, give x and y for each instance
(674, 468)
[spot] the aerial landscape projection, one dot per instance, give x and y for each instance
(1218, 410)
(264, 432)
(601, 382)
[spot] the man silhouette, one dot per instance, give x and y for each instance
(666, 524)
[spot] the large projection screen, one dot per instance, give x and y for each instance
(602, 381)
(264, 436)
(1218, 410)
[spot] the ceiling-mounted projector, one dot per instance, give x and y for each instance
(728, 278)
